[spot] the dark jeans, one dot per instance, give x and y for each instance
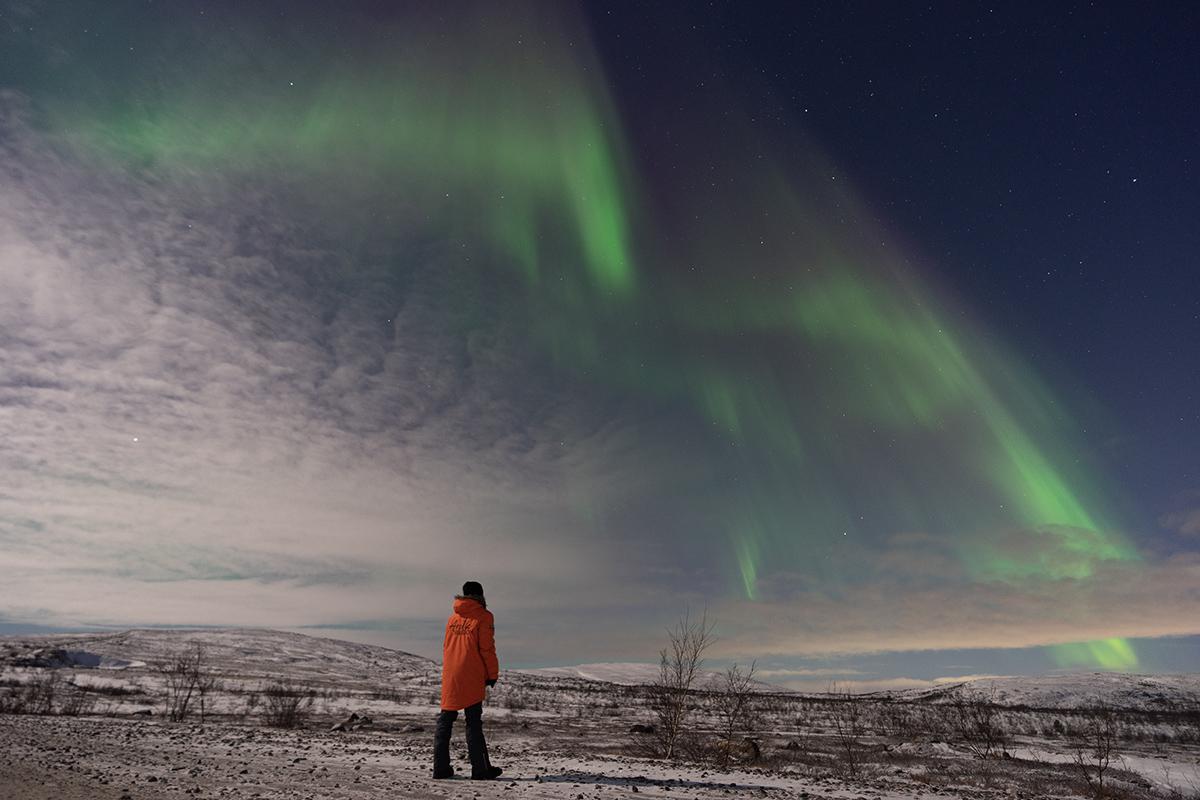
(476, 746)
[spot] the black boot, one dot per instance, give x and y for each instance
(441, 745)
(481, 766)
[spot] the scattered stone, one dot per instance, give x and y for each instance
(353, 723)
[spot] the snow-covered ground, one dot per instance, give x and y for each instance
(104, 759)
(560, 733)
(1161, 771)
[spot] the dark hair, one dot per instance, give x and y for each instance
(472, 588)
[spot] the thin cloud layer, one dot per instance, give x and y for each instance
(192, 392)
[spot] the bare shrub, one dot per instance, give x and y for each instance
(286, 704)
(679, 666)
(34, 695)
(932, 721)
(76, 700)
(1191, 726)
(116, 689)
(846, 714)
(893, 719)
(978, 725)
(42, 691)
(252, 699)
(517, 699)
(735, 711)
(11, 701)
(206, 685)
(391, 694)
(187, 678)
(1093, 744)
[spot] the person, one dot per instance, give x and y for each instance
(469, 664)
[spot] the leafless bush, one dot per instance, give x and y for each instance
(12, 702)
(187, 677)
(846, 714)
(517, 699)
(391, 694)
(115, 689)
(252, 699)
(206, 685)
(286, 704)
(932, 721)
(1174, 788)
(43, 690)
(978, 725)
(735, 711)
(679, 666)
(893, 719)
(1191, 725)
(1093, 744)
(34, 695)
(76, 700)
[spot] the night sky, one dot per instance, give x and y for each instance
(870, 328)
(1040, 161)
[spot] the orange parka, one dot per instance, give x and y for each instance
(468, 654)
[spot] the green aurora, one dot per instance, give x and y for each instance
(807, 353)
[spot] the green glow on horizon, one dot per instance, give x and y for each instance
(1109, 654)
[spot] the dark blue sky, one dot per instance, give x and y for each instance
(1041, 158)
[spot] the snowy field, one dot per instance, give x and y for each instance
(85, 716)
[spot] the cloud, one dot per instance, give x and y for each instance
(212, 415)
(1185, 523)
(810, 672)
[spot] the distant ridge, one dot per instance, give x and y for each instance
(1176, 692)
(632, 674)
(1065, 691)
(248, 652)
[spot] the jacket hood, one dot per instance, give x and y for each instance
(469, 605)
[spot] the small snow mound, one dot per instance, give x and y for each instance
(58, 658)
(82, 658)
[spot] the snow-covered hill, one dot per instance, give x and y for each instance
(633, 674)
(235, 652)
(625, 674)
(1075, 690)
(259, 653)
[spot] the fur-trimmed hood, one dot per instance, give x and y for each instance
(478, 598)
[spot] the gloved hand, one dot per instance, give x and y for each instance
(490, 682)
